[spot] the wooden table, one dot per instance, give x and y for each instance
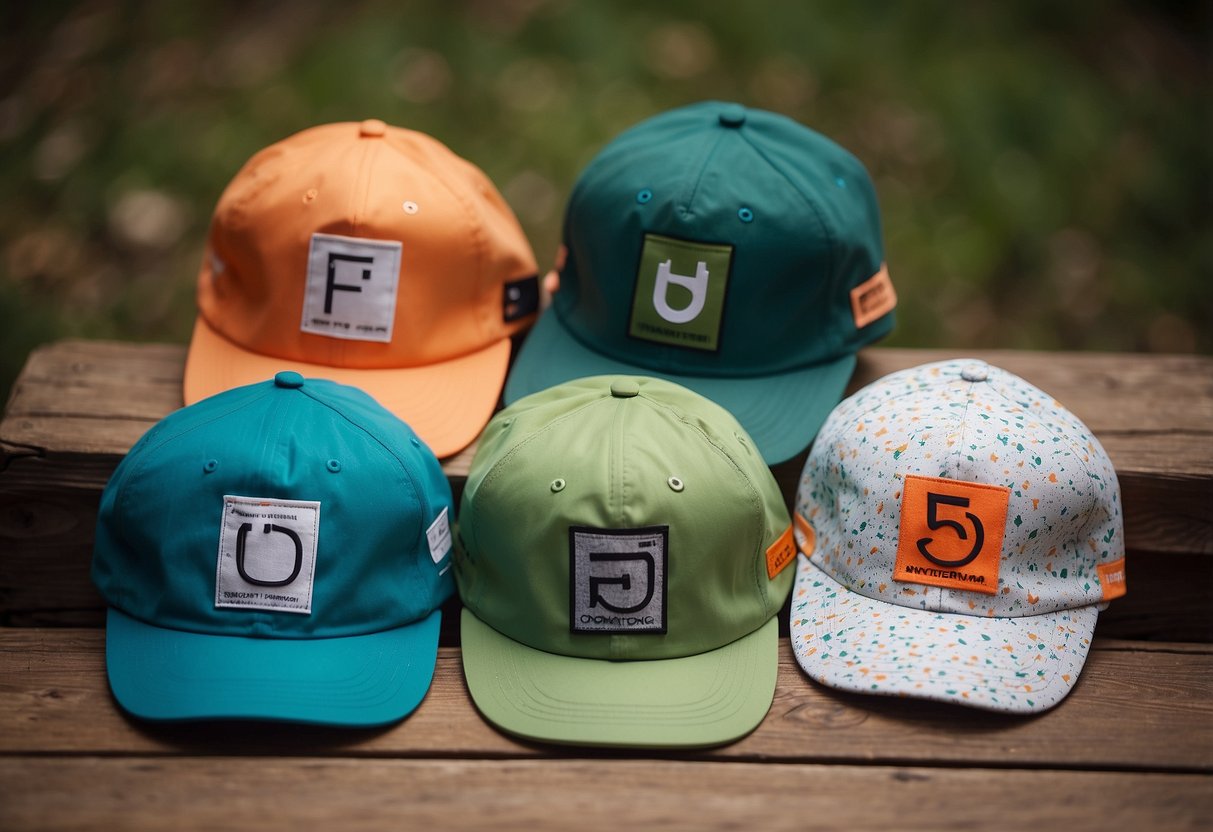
(1131, 747)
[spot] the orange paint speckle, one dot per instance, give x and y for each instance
(1052, 478)
(1032, 599)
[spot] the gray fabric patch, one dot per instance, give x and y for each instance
(618, 579)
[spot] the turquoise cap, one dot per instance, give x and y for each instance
(731, 250)
(277, 551)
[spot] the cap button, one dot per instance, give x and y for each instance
(975, 372)
(733, 115)
(288, 379)
(624, 388)
(372, 128)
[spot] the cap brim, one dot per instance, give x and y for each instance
(446, 404)
(376, 679)
(781, 412)
(851, 642)
(695, 701)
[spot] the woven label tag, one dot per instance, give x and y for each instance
(951, 533)
(679, 295)
(617, 579)
(873, 298)
(438, 535)
(267, 554)
(781, 553)
(351, 287)
(1112, 579)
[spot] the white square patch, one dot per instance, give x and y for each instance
(267, 554)
(618, 579)
(351, 287)
(439, 537)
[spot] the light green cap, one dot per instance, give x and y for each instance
(613, 560)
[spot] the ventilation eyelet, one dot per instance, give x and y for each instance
(334, 465)
(644, 196)
(675, 484)
(558, 484)
(210, 466)
(410, 207)
(745, 215)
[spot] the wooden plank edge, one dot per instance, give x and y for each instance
(272, 794)
(1136, 707)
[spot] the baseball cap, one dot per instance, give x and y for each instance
(373, 256)
(621, 562)
(731, 250)
(277, 551)
(960, 532)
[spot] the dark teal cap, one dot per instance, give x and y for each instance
(277, 551)
(731, 250)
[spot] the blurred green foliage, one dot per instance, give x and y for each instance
(1044, 168)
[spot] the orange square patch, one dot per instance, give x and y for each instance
(951, 533)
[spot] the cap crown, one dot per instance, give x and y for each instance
(458, 245)
(576, 460)
(720, 241)
(161, 527)
(981, 439)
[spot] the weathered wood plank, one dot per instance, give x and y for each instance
(270, 794)
(1137, 706)
(79, 405)
(45, 582)
(1153, 413)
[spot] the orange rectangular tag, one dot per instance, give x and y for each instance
(951, 533)
(873, 298)
(1112, 579)
(781, 553)
(807, 540)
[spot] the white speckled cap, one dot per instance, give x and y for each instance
(959, 531)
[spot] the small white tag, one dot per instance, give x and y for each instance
(351, 287)
(439, 536)
(267, 554)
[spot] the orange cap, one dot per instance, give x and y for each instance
(373, 256)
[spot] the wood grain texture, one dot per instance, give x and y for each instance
(1136, 706)
(45, 583)
(289, 794)
(79, 405)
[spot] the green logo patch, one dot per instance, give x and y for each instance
(679, 295)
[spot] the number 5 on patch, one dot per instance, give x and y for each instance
(951, 533)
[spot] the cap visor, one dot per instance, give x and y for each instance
(781, 412)
(446, 404)
(849, 641)
(707, 699)
(375, 679)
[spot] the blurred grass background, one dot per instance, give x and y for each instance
(1044, 168)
